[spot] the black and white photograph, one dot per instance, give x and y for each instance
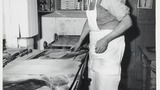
(79, 45)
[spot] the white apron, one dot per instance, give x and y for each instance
(104, 68)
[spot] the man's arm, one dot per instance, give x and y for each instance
(84, 33)
(123, 26)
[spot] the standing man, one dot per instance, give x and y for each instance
(107, 20)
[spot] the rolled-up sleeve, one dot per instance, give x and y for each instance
(116, 7)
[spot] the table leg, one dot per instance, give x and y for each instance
(144, 73)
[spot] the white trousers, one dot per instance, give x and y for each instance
(103, 81)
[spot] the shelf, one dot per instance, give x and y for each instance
(73, 10)
(46, 6)
(49, 6)
(45, 11)
(72, 14)
(71, 5)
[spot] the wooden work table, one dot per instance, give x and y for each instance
(148, 57)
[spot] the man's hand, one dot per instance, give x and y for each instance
(75, 47)
(101, 45)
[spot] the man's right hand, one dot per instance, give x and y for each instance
(75, 47)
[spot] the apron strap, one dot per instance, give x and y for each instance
(89, 3)
(95, 7)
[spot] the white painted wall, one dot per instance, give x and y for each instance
(69, 26)
(61, 26)
(48, 30)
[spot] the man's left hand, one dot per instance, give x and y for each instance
(101, 45)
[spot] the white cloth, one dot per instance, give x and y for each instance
(91, 16)
(104, 68)
(109, 61)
